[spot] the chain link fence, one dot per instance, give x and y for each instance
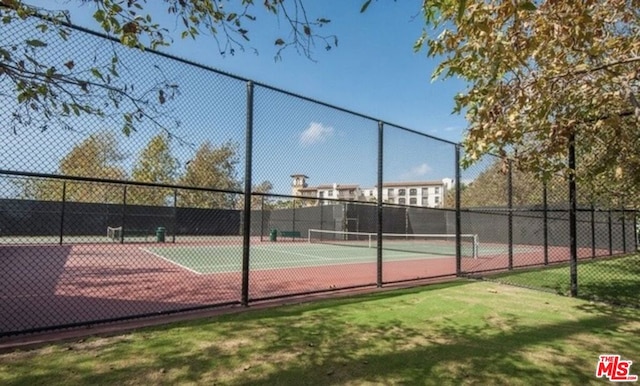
(214, 190)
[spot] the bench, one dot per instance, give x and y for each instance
(292, 234)
(146, 233)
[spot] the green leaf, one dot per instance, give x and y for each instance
(99, 16)
(365, 5)
(127, 129)
(462, 5)
(36, 43)
(527, 6)
(95, 72)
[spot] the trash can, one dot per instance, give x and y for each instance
(160, 234)
(273, 235)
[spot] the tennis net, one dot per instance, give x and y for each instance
(433, 244)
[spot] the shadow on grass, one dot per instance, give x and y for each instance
(615, 281)
(468, 355)
(312, 344)
(384, 294)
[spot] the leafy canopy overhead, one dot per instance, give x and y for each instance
(540, 72)
(50, 89)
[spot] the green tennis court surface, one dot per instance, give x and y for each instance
(228, 258)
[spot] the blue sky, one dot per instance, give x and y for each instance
(374, 71)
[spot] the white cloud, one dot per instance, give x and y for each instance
(417, 171)
(316, 133)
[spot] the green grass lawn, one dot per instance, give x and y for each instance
(457, 333)
(615, 281)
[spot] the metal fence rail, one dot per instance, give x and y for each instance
(208, 202)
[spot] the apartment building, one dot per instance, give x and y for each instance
(419, 193)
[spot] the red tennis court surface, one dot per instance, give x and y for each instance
(48, 286)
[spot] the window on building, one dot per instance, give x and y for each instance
(413, 191)
(371, 193)
(413, 201)
(402, 192)
(390, 192)
(425, 201)
(330, 194)
(402, 200)
(321, 194)
(425, 192)
(436, 190)
(436, 200)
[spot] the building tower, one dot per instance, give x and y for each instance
(299, 181)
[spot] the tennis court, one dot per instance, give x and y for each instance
(320, 248)
(223, 259)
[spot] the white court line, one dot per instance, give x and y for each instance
(315, 257)
(171, 261)
(231, 268)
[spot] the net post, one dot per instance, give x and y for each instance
(62, 210)
(476, 246)
(379, 204)
(246, 237)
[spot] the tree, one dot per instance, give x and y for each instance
(96, 157)
(155, 164)
(490, 189)
(50, 89)
(540, 73)
(257, 201)
(213, 168)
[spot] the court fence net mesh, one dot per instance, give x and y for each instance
(232, 192)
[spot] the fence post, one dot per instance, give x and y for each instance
(545, 221)
(246, 226)
(635, 230)
(62, 210)
(610, 225)
(458, 214)
(321, 217)
(293, 216)
(593, 231)
(124, 214)
(261, 218)
(510, 206)
(624, 230)
(175, 215)
(572, 216)
(379, 206)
